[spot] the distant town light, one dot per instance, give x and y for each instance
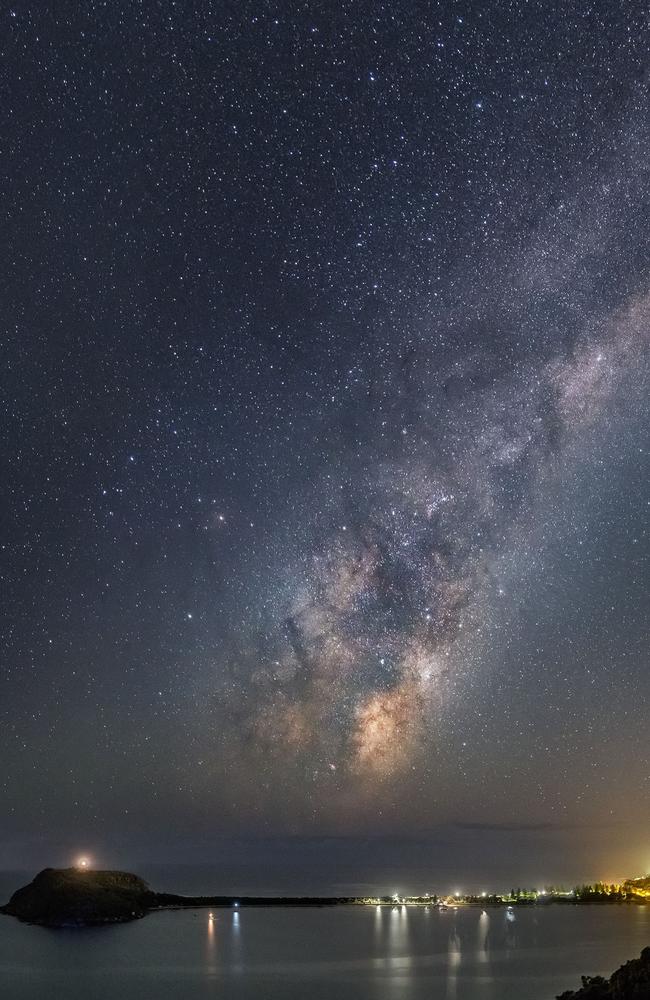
(83, 862)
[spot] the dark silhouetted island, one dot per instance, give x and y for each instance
(70, 897)
(630, 982)
(74, 897)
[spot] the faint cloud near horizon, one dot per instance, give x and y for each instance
(531, 827)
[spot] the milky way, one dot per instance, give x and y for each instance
(445, 479)
(372, 623)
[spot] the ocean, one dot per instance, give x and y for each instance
(339, 953)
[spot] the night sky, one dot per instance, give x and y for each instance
(324, 442)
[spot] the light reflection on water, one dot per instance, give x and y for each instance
(482, 938)
(211, 947)
(369, 953)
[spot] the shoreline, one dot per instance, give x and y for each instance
(82, 897)
(237, 902)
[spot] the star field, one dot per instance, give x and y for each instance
(324, 435)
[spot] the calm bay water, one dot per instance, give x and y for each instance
(345, 952)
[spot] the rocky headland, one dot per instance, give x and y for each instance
(630, 982)
(70, 897)
(76, 897)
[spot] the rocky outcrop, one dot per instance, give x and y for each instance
(630, 982)
(70, 897)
